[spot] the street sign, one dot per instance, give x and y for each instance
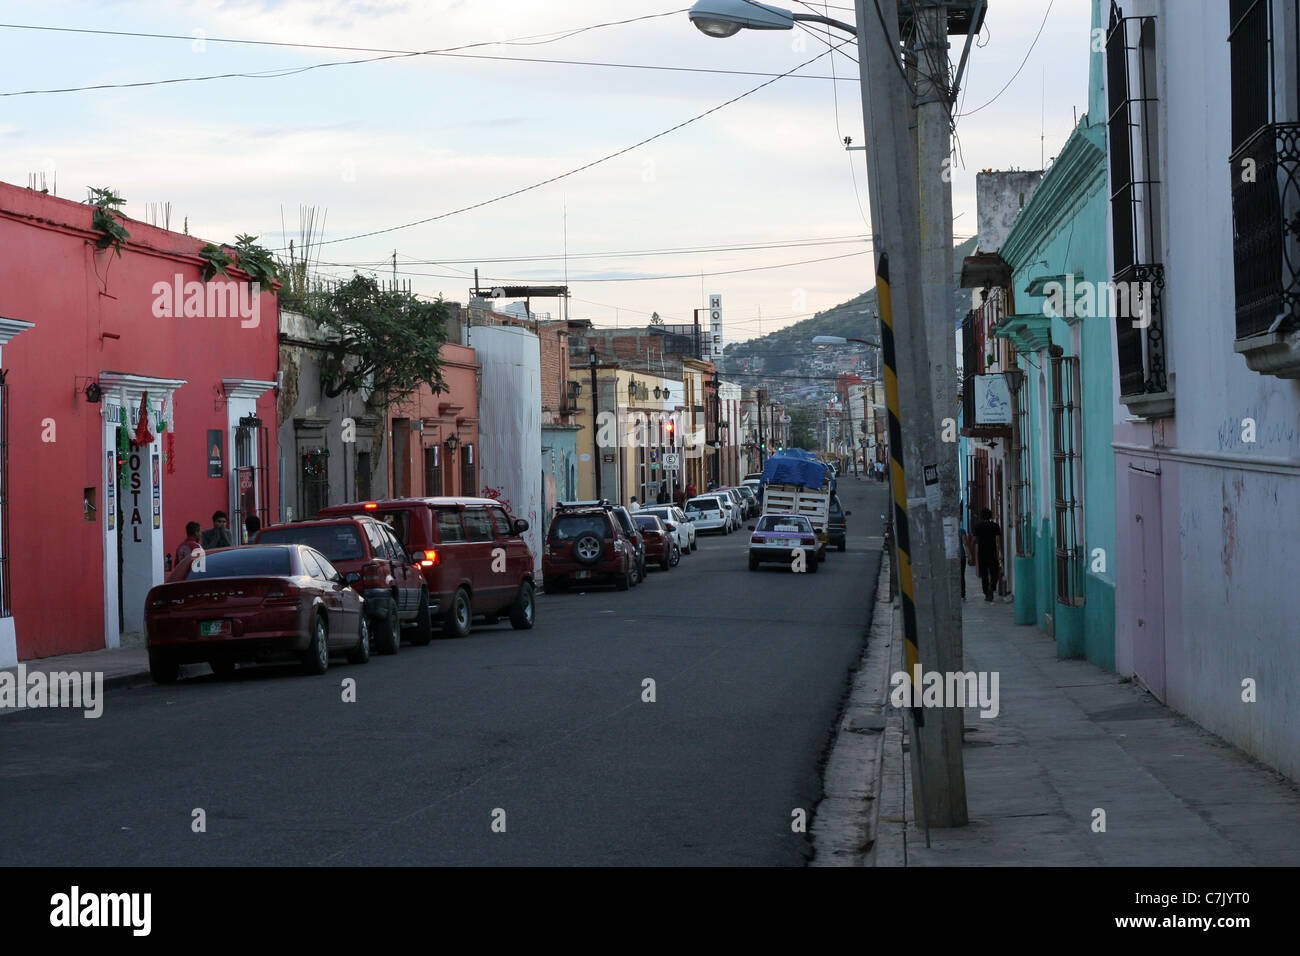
(672, 460)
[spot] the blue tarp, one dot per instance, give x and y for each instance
(790, 467)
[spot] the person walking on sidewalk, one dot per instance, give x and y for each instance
(986, 534)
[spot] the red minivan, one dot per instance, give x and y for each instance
(471, 553)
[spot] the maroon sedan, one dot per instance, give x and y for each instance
(660, 545)
(254, 603)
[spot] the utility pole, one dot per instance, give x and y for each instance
(934, 167)
(595, 429)
(939, 786)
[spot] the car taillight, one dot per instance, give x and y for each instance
(371, 576)
(370, 506)
(282, 594)
(807, 540)
(618, 545)
(430, 559)
(757, 539)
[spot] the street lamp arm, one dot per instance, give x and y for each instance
(828, 21)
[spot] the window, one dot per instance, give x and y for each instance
(1066, 440)
(396, 551)
(477, 524)
(449, 528)
(502, 521)
(362, 476)
(432, 472)
(468, 473)
(315, 482)
(338, 542)
(399, 522)
(1265, 169)
(1022, 493)
(1135, 199)
(243, 563)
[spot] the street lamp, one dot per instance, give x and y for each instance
(725, 18)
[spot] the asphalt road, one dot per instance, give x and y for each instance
(543, 730)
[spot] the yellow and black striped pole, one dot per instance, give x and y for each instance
(898, 483)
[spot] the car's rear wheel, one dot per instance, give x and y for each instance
(675, 557)
(316, 658)
(624, 582)
(813, 563)
(841, 546)
(389, 629)
(361, 653)
(753, 563)
(587, 548)
(459, 616)
(422, 629)
(525, 608)
(163, 668)
(222, 667)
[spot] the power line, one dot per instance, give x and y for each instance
(579, 169)
(397, 55)
(290, 71)
(688, 275)
(1032, 44)
(684, 250)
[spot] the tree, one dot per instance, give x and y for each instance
(387, 342)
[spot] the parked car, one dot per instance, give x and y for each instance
(709, 513)
(836, 525)
(660, 544)
(392, 585)
(634, 535)
(474, 559)
(752, 505)
(254, 602)
(682, 527)
(738, 507)
(777, 536)
(586, 543)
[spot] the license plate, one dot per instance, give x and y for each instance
(213, 628)
(582, 574)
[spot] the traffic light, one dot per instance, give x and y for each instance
(671, 428)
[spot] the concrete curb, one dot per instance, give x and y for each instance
(845, 821)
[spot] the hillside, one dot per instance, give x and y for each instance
(782, 350)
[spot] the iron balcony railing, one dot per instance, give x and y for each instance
(1266, 230)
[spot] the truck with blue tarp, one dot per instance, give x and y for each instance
(796, 482)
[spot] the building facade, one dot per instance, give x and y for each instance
(141, 398)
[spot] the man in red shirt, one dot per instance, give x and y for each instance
(191, 541)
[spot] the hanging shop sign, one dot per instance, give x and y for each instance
(216, 454)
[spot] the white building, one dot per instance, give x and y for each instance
(1204, 154)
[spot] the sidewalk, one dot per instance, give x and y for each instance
(1072, 738)
(121, 667)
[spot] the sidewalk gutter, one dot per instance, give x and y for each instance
(844, 823)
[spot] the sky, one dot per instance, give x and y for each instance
(747, 195)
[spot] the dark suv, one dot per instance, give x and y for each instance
(474, 561)
(836, 525)
(586, 543)
(633, 532)
(393, 587)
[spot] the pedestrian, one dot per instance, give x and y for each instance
(218, 536)
(252, 525)
(635, 505)
(987, 534)
(186, 547)
(690, 489)
(663, 495)
(679, 497)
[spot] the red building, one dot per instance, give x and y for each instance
(87, 520)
